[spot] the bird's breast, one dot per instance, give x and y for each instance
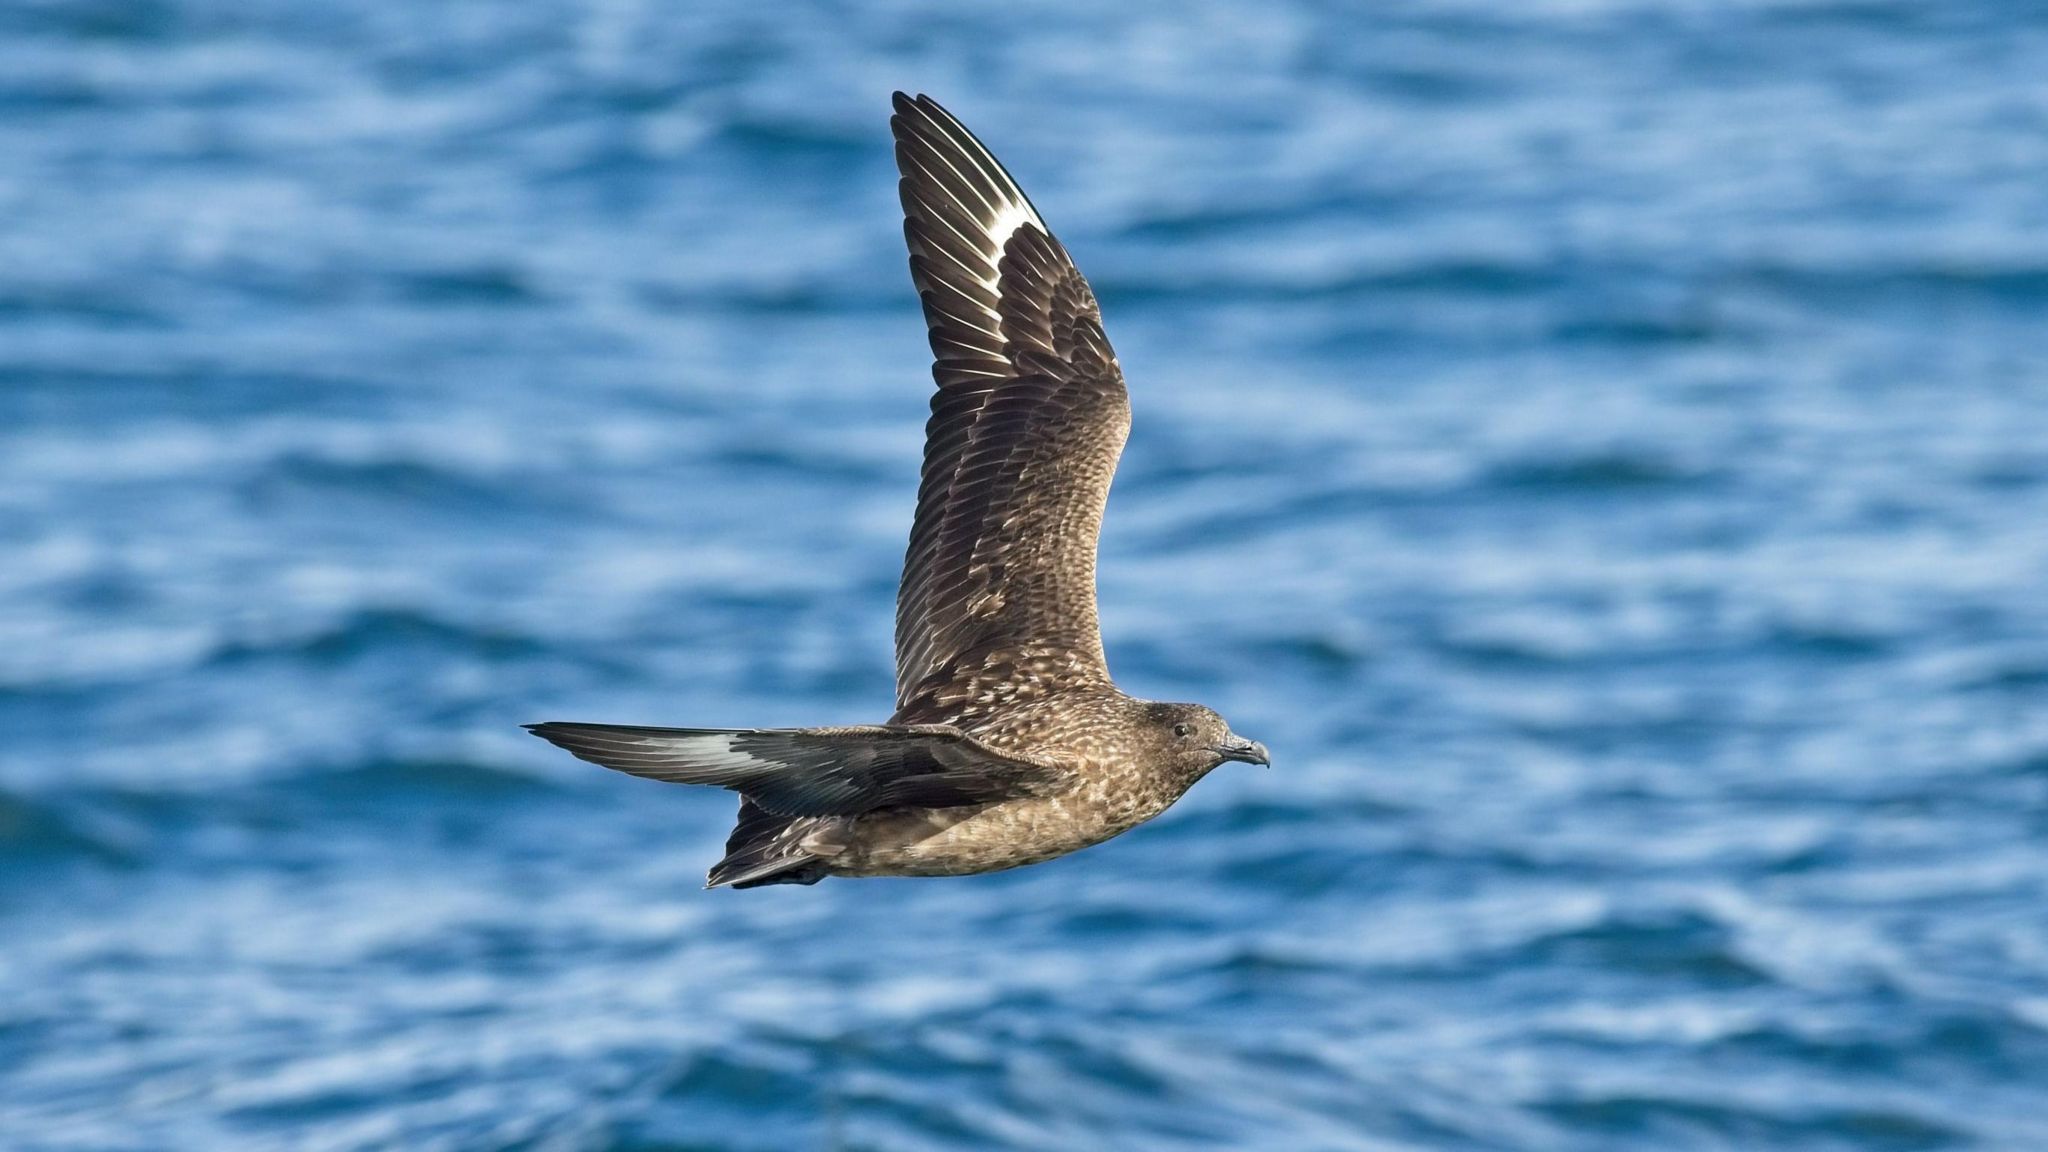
(1010, 834)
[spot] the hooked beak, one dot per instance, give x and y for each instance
(1247, 751)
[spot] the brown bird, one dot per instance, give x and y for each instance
(1010, 744)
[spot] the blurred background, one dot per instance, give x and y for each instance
(1600, 445)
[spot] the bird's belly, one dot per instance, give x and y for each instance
(954, 842)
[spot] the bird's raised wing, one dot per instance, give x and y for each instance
(816, 771)
(1026, 427)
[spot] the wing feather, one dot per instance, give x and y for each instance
(1026, 428)
(815, 771)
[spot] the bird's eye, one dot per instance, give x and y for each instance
(1182, 731)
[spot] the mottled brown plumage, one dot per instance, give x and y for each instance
(1010, 745)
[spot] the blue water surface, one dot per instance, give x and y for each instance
(1600, 445)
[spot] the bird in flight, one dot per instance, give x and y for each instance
(1010, 744)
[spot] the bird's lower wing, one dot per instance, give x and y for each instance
(815, 771)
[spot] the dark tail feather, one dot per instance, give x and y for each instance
(765, 848)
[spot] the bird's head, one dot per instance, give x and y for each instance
(1198, 737)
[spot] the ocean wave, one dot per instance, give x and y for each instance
(35, 833)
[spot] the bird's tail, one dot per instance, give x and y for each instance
(765, 848)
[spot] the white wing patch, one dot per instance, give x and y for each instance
(711, 752)
(999, 219)
(693, 757)
(1011, 218)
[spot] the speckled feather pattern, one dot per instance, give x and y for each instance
(1027, 423)
(1121, 778)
